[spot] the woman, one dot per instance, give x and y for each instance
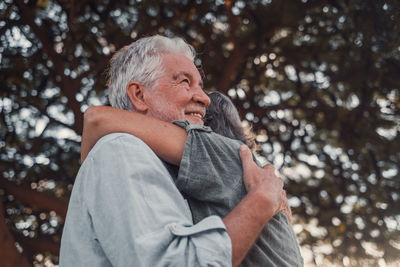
(210, 170)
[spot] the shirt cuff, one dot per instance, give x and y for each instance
(213, 244)
(208, 223)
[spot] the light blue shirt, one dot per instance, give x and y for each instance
(125, 210)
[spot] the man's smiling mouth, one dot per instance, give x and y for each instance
(199, 115)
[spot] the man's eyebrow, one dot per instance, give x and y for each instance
(187, 75)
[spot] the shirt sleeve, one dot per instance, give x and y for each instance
(138, 215)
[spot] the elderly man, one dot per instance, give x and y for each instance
(125, 209)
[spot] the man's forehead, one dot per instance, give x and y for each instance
(180, 65)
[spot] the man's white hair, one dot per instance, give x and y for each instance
(141, 62)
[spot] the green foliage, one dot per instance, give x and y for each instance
(317, 80)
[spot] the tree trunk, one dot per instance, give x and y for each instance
(9, 255)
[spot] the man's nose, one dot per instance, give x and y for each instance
(199, 96)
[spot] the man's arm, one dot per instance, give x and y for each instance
(265, 198)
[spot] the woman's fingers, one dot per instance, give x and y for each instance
(246, 157)
(250, 177)
(286, 207)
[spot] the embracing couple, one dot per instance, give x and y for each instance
(166, 179)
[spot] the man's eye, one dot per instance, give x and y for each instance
(185, 81)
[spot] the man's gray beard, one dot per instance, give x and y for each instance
(165, 116)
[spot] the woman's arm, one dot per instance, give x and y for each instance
(164, 138)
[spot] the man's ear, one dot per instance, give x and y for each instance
(135, 92)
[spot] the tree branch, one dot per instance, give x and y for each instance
(99, 66)
(68, 86)
(28, 18)
(41, 200)
(232, 21)
(39, 244)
